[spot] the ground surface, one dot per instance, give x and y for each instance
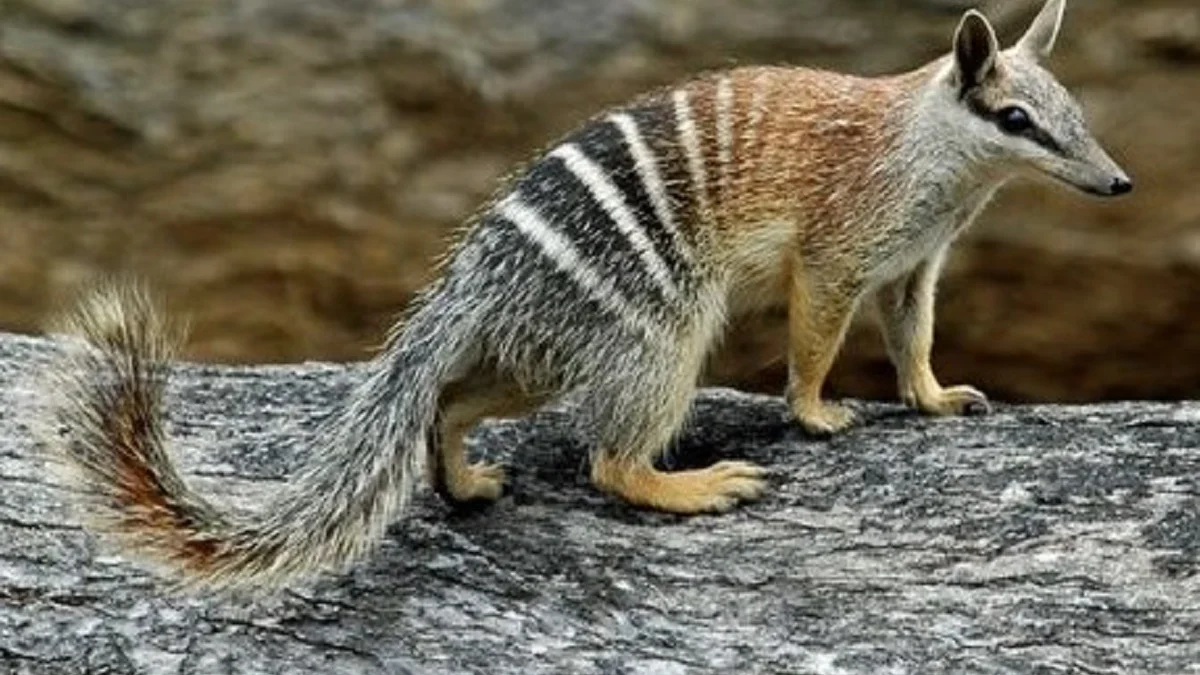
(1036, 540)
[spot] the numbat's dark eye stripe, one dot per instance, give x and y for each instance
(1002, 119)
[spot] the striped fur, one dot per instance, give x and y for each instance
(604, 194)
(606, 271)
(563, 254)
(689, 140)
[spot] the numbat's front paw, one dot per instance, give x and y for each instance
(824, 419)
(960, 400)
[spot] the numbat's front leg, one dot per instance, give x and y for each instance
(818, 314)
(906, 314)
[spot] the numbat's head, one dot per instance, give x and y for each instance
(1010, 111)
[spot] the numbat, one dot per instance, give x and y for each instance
(607, 270)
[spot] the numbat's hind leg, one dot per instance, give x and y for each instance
(713, 489)
(462, 406)
(640, 413)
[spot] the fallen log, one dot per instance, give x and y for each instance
(1039, 539)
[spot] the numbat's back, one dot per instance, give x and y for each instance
(608, 270)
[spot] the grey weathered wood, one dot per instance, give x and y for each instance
(1037, 540)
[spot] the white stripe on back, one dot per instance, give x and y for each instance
(563, 254)
(691, 147)
(750, 136)
(757, 105)
(724, 127)
(609, 198)
(647, 169)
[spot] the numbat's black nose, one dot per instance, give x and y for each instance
(1120, 186)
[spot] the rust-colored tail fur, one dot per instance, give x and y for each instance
(107, 431)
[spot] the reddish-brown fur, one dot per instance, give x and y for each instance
(811, 157)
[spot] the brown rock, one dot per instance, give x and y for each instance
(286, 171)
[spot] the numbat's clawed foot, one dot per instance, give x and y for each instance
(713, 489)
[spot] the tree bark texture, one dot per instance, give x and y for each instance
(1039, 539)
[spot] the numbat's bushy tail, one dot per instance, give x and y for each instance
(108, 395)
(607, 269)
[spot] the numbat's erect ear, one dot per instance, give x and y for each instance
(975, 49)
(1038, 41)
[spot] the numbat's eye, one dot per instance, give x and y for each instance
(1014, 120)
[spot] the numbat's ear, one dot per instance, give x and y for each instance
(1038, 41)
(975, 49)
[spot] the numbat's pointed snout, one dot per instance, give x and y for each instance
(1120, 185)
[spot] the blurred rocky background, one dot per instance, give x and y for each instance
(285, 171)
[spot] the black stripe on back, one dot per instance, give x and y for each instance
(568, 207)
(532, 283)
(656, 121)
(603, 143)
